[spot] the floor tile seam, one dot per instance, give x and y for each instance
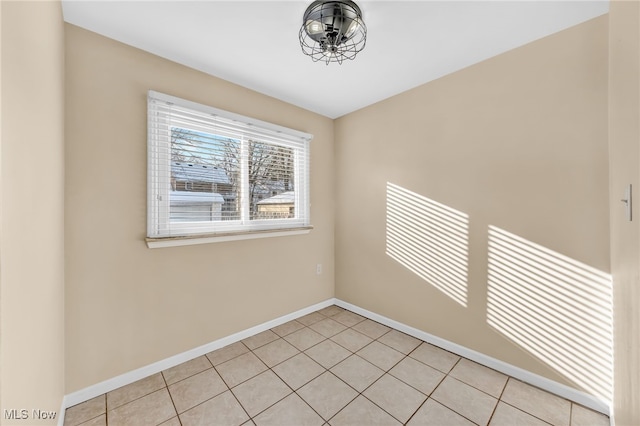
(315, 344)
(376, 340)
(456, 363)
(356, 331)
(285, 360)
(455, 411)
(139, 397)
(471, 386)
(368, 344)
(415, 412)
(177, 417)
(328, 337)
(230, 359)
(571, 403)
(481, 365)
(477, 388)
(164, 421)
(237, 384)
(493, 411)
(299, 352)
(531, 414)
(368, 399)
(444, 350)
(263, 410)
(389, 346)
(187, 377)
(310, 324)
(345, 406)
(170, 397)
(85, 421)
(351, 325)
(263, 344)
(413, 387)
(446, 373)
(283, 381)
(402, 352)
(282, 336)
(333, 365)
(539, 389)
(202, 402)
(445, 406)
(382, 408)
(104, 395)
(338, 343)
(361, 358)
(460, 414)
(213, 397)
(309, 405)
(240, 404)
(499, 398)
(570, 412)
(305, 383)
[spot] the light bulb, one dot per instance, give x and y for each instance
(355, 24)
(314, 27)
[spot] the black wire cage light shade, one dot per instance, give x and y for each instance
(332, 31)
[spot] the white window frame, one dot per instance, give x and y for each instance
(161, 232)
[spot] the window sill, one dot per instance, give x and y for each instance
(222, 237)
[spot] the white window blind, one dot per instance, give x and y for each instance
(215, 172)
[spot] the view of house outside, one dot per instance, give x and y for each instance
(206, 174)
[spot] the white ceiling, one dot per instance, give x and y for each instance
(255, 43)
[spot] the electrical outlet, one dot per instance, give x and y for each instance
(319, 268)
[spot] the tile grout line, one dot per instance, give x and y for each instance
(405, 356)
(166, 385)
(326, 370)
(384, 372)
(499, 399)
(358, 393)
(229, 388)
(293, 391)
(402, 359)
(323, 317)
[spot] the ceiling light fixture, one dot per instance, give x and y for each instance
(332, 31)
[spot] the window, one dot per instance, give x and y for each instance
(214, 173)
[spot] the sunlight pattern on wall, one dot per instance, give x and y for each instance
(556, 308)
(430, 239)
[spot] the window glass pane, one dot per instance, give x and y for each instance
(215, 172)
(204, 177)
(271, 181)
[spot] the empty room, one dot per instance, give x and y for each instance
(319, 213)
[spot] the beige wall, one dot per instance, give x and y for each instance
(517, 142)
(31, 210)
(127, 305)
(624, 160)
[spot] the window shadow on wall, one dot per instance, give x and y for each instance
(554, 307)
(430, 239)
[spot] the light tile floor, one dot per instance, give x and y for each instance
(331, 367)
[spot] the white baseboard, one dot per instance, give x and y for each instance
(62, 412)
(551, 386)
(543, 383)
(140, 373)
